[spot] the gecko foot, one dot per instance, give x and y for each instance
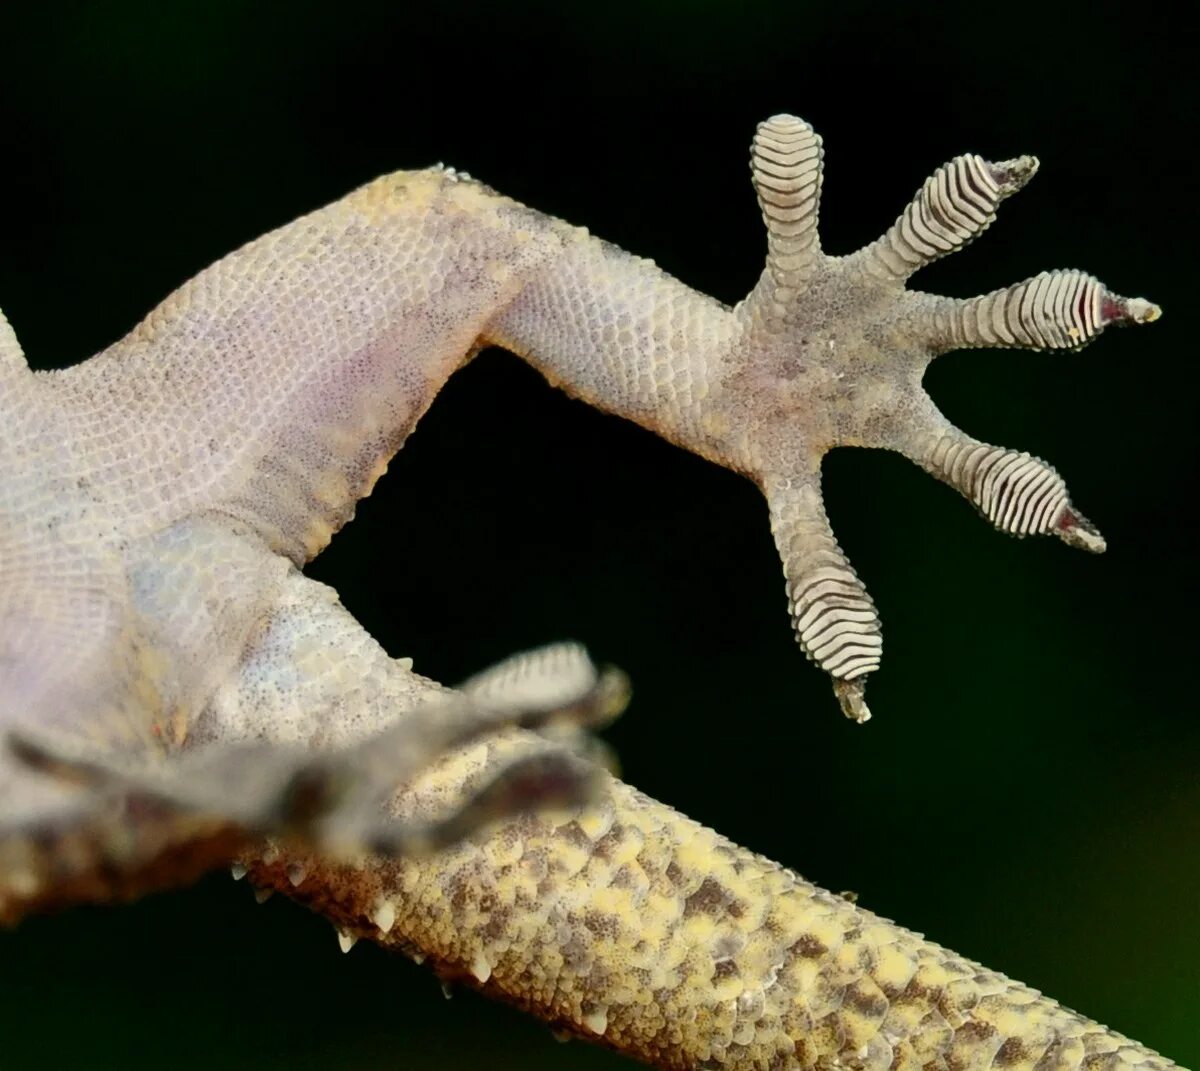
(834, 351)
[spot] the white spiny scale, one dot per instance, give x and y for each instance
(481, 967)
(596, 1020)
(384, 915)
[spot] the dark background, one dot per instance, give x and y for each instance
(1028, 791)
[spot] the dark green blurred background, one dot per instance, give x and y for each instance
(1028, 792)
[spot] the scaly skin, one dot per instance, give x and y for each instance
(174, 688)
(638, 928)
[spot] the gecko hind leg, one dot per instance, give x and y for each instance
(335, 800)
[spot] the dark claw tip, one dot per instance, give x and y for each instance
(1076, 530)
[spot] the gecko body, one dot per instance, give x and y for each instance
(175, 689)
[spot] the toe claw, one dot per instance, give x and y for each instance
(850, 698)
(1074, 529)
(1012, 175)
(1115, 309)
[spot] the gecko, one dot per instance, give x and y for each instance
(179, 695)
